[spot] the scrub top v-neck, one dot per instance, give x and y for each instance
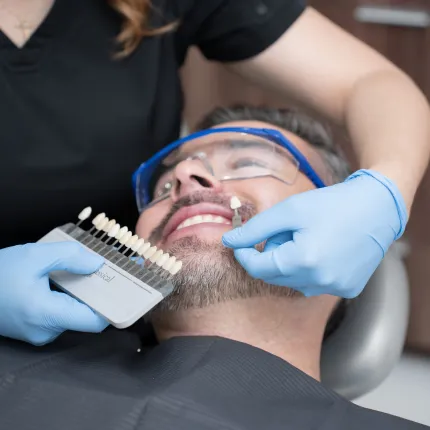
(75, 122)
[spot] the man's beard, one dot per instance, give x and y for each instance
(210, 274)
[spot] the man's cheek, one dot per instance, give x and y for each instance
(144, 226)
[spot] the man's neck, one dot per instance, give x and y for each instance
(281, 326)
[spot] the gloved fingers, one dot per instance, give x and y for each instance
(67, 313)
(281, 261)
(262, 226)
(43, 338)
(70, 256)
(260, 265)
(277, 240)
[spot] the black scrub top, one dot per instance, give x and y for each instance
(75, 123)
(101, 382)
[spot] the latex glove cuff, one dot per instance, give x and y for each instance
(394, 191)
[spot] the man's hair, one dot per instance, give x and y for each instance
(302, 125)
(298, 123)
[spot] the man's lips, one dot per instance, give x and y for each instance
(191, 211)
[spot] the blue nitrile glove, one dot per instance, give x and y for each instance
(29, 310)
(324, 241)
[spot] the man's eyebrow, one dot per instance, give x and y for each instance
(236, 143)
(254, 144)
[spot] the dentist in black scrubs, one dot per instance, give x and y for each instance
(91, 88)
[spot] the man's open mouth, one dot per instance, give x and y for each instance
(204, 218)
(201, 213)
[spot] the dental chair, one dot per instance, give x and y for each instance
(363, 350)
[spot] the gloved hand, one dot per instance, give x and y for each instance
(324, 241)
(29, 310)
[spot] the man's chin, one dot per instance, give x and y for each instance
(191, 247)
(210, 274)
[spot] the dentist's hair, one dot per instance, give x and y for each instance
(135, 26)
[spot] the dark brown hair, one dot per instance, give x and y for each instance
(135, 25)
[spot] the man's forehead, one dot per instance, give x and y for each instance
(301, 145)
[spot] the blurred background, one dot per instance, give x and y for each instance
(400, 30)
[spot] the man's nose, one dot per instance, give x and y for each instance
(191, 176)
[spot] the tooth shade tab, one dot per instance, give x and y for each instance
(235, 203)
(121, 233)
(109, 225)
(125, 238)
(98, 218)
(85, 214)
(114, 230)
(137, 245)
(162, 260)
(150, 252)
(156, 256)
(176, 268)
(133, 239)
(143, 248)
(102, 224)
(169, 263)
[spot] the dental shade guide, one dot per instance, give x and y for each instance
(235, 204)
(122, 290)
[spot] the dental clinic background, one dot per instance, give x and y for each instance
(400, 30)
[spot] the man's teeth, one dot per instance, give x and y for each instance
(199, 219)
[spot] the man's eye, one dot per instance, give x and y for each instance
(248, 162)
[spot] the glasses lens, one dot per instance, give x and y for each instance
(226, 156)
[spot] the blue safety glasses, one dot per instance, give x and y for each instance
(143, 177)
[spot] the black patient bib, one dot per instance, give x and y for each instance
(87, 382)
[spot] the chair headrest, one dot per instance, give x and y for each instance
(369, 341)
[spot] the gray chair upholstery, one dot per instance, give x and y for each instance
(368, 343)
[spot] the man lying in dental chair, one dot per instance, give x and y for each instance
(231, 352)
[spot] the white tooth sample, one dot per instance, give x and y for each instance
(102, 224)
(219, 219)
(198, 218)
(235, 203)
(150, 252)
(137, 245)
(176, 268)
(109, 225)
(156, 256)
(121, 233)
(162, 260)
(98, 218)
(114, 230)
(187, 222)
(85, 213)
(169, 263)
(133, 239)
(143, 248)
(125, 238)
(208, 218)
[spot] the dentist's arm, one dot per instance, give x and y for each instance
(29, 310)
(324, 68)
(331, 240)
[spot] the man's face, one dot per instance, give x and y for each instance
(190, 224)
